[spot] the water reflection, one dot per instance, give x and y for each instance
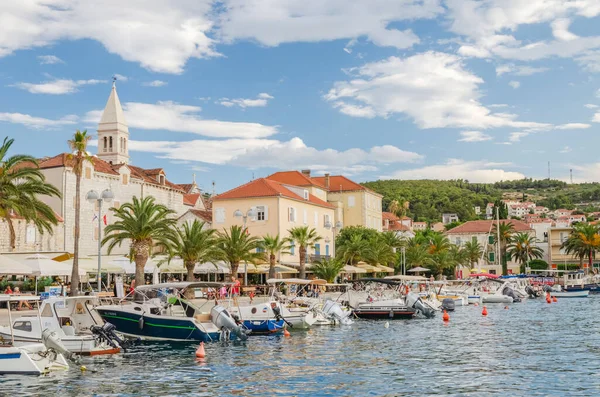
(531, 349)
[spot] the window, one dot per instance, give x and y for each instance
(30, 236)
(105, 141)
(458, 241)
(293, 248)
(220, 215)
(306, 194)
(306, 217)
(491, 240)
(124, 145)
(88, 173)
(161, 179)
(260, 249)
(261, 213)
(492, 256)
(125, 179)
(292, 214)
(325, 219)
(317, 249)
(327, 249)
(110, 145)
(316, 218)
(22, 326)
(351, 201)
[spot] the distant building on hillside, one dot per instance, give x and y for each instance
(449, 218)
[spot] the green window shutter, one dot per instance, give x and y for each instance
(490, 239)
(492, 256)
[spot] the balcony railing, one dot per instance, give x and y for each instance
(314, 258)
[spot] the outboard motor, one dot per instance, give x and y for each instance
(546, 288)
(530, 291)
(52, 342)
(106, 333)
(223, 320)
(448, 304)
(509, 292)
(334, 310)
(414, 301)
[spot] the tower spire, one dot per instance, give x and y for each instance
(113, 133)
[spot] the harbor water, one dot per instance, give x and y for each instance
(532, 348)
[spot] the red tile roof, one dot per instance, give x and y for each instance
(389, 216)
(65, 160)
(186, 187)
(263, 187)
(191, 199)
(486, 226)
(339, 183)
(399, 227)
(294, 178)
(206, 216)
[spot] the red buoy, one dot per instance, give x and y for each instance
(446, 316)
(200, 353)
(286, 333)
(554, 299)
(484, 311)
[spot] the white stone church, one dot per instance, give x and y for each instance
(112, 170)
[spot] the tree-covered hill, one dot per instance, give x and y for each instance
(428, 199)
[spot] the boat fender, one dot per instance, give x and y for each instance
(392, 313)
(141, 322)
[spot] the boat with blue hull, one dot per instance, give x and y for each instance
(170, 316)
(262, 327)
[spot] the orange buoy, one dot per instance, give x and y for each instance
(484, 311)
(548, 300)
(200, 353)
(286, 333)
(554, 299)
(446, 316)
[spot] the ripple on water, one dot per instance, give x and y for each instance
(531, 349)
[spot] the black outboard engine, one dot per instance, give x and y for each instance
(106, 333)
(531, 292)
(448, 304)
(414, 301)
(547, 288)
(509, 292)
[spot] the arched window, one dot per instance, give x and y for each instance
(110, 145)
(105, 143)
(124, 145)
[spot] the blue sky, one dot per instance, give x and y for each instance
(231, 89)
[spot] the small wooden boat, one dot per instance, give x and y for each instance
(570, 294)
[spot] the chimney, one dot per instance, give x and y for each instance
(326, 181)
(306, 173)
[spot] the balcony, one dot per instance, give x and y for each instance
(314, 258)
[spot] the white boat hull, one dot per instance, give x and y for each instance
(496, 299)
(570, 294)
(30, 360)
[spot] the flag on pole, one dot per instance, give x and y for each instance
(95, 217)
(104, 219)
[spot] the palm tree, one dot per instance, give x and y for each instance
(584, 238)
(574, 246)
(416, 254)
(440, 261)
(473, 251)
(274, 245)
(353, 249)
(506, 231)
(328, 269)
(394, 207)
(522, 248)
(21, 182)
(304, 238)
(145, 225)
(78, 156)
(392, 239)
(379, 252)
(194, 244)
(236, 246)
(438, 243)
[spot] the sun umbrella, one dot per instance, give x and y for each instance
(418, 269)
(12, 266)
(42, 265)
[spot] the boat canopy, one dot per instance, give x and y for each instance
(184, 285)
(406, 278)
(386, 280)
(316, 281)
(488, 275)
(18, 298)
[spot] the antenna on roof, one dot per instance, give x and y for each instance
(213, 188)
(114, 79)
(194, 178)
(253, 176)
(571, 172)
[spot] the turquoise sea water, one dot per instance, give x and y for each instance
(530, 349)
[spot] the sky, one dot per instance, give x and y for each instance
(231, 90)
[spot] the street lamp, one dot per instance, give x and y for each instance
(251, 213)
(94, 197)
(334, 228)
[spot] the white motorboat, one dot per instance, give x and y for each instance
(34, 358)
(74, 322)
(559, 292)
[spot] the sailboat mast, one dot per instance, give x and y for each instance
(498, 231)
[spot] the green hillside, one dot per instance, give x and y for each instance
(428, 199)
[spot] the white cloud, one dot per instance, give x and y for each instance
(498, 105)
(473, 171)
(560, 30)
(566, 149)
(36, 122)
(596, 118)
(590, 106)
(155, 83)
(158, 34)
(474, 136)
(433, 88)
(120, 77)
(572, 126)
(172, 116)
(582, 173)
(590, 61)
(598, 93)
(261, 100)
(514, 84)
(49, 59)
(56, 87)
(267, 153)
(516, 136)
(520, 70)
(273, 22)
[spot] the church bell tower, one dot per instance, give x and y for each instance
(113, 133)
